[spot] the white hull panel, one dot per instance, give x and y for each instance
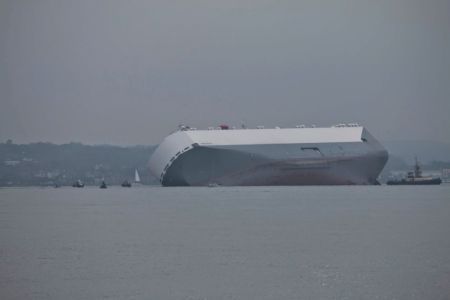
(310, 156)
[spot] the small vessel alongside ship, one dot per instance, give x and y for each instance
(415, 178)
(343, 154)
(103, 185)
(137, 180)
(126, 183)
(78, 184)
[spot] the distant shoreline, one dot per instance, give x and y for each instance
(46, 164)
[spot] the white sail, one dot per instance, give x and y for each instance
(137, 179)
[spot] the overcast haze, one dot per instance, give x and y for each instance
(128, 72)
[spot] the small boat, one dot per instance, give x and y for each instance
(126, 183)
(137, 179)
(415, 178)
(78, 184)
(103, 185)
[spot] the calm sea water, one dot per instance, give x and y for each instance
(225, 243)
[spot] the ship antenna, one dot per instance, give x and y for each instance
(417, 171)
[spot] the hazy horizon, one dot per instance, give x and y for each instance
(127, 73)
(442, 143)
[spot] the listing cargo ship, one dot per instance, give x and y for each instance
(416, 178)
(344, 154)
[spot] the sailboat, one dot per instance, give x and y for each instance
(137, 179)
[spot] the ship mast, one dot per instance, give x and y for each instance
(417, 170)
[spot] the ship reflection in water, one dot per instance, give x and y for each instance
(351, 242)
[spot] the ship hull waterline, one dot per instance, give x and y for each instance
(206, 167)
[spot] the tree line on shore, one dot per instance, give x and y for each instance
(51, 164)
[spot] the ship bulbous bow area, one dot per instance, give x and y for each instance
(184, 159)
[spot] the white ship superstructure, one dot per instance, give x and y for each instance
(342, 154)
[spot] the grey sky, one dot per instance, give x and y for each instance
(128, 72)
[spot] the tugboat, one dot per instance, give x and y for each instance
(78, 184)
(415, 178)
(126, 183)
(103, 185)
